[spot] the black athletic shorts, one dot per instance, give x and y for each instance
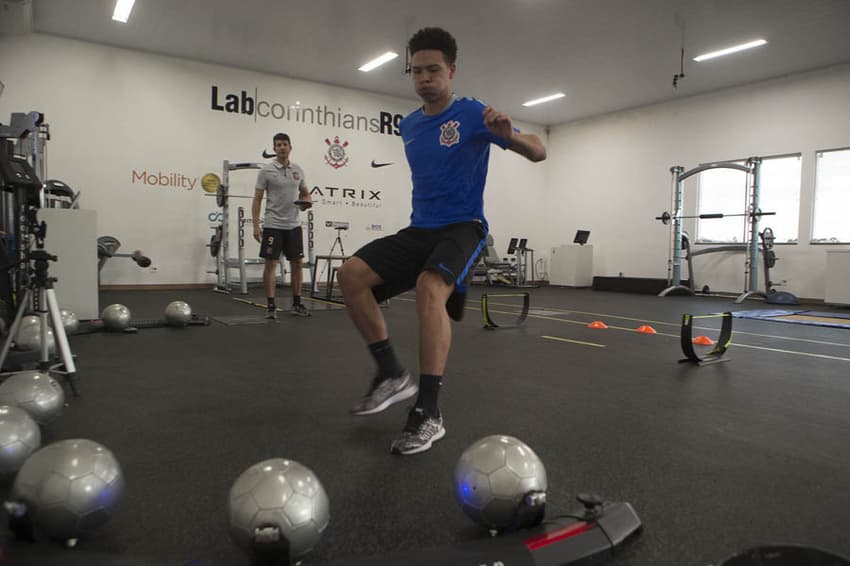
(276, 241)
(398, 259)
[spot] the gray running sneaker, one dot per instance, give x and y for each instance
(271, 314)
(419, 434)
(300, 310)
(384, 393)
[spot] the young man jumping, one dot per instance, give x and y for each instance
(447, 144)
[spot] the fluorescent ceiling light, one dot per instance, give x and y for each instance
(378, 61)
(729, 50)
(537, 101)
(122, 10)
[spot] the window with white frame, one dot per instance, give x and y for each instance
(725, 191)
(832, 197)
(781, 182)
(722, 191)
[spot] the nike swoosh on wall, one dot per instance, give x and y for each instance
(376, 165)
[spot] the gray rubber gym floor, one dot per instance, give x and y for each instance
(714, 458)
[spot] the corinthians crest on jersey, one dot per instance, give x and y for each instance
(450, 133)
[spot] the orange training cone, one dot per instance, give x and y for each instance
(703, 341)
(597, 324)
(645, 329)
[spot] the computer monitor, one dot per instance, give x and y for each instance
(512, 245)
(581, 237)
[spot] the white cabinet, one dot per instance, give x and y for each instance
(571, 266)
(837, 277)
(72, 236)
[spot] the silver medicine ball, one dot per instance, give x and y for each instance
(500, 483)
(178, 313)
(277, 510)
(69, 488)
(19, 437)
(36, 392)
(115, 317)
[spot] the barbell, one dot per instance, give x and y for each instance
(221, 195)
(666, 216)
(214, 187)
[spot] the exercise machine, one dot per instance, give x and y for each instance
(511, 271)
(768, 256)
(518, 247)
(18, 177)
(220, 241)
(26, 137)
(491, 268)
(769, 259)
(57, 194)
(752, 215)
(219, 244)
(108, 246)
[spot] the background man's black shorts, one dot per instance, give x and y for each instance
(275, 241)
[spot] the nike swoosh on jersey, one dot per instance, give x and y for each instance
(376, 165)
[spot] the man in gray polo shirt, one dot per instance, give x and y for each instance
(282, 182)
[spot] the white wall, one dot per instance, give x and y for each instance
(114, 111)
(611, 174)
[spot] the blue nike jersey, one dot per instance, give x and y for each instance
(448, 156)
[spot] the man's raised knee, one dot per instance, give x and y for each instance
(352, 273)
(432, 284)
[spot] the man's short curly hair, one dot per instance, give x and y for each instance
(434, 38)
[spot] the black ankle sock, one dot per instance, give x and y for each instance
(296, 300)
(429, 390)
(271, 305)
(388, 364)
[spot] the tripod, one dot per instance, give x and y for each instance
(330, 258)
(338, 241)
(41, 294)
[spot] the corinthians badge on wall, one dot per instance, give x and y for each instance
(335, 156)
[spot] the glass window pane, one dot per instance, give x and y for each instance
(832, 197)
(725, 191)
(722, 191)
(780, 193)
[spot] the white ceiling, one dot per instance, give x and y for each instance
(606, 55)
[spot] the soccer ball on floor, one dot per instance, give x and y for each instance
(68, 488)
(34, 391)
(277, 509)
(178, 313)
(19, 437)
(500, 483)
